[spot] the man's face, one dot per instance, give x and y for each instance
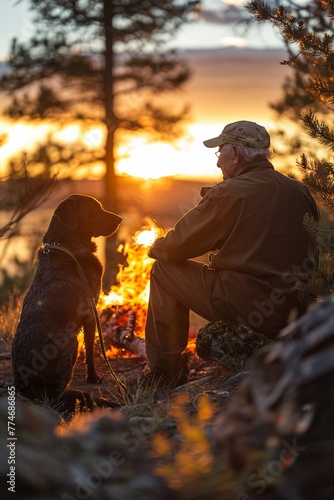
(227, 161)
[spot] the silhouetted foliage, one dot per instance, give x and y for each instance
(20, 194)
(102, 61)
(308, 30)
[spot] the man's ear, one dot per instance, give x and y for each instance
(236, 154)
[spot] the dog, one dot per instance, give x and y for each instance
(57, 305)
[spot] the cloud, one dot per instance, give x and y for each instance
(231, 14)
(233, 41)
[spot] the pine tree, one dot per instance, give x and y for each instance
(308, 30)
(101, 60)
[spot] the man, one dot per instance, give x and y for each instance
(252, 223)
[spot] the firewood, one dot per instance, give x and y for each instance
(121, 335)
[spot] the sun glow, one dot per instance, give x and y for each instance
(94, 137)
(187, 158)
(24, 136)
(148, 161)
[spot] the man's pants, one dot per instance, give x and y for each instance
(175, 288)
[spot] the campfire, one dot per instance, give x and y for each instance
(123, 310)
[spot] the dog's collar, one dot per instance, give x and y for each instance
(47, 247)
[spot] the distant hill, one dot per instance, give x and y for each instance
(227, 81)
(228, 84)
(165, 199)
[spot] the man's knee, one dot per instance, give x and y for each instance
(161, 268)
(168, 275)
(159, 274)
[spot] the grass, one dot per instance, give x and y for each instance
(175, 432)
(137, 400)
(9, 318)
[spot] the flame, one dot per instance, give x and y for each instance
(131, 293)
(146, 237)
(133, 278)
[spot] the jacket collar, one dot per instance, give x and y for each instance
(254, 166)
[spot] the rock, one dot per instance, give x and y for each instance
(229, 344)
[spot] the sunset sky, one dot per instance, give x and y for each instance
(228, 84)
(217, 27)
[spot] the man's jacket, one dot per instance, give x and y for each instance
(253, 224)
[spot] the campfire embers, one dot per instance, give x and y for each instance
(118, 326)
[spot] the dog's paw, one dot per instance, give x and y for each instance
(94, 378)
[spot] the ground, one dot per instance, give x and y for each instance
(89, 441)
(128, 368)
(180, 437)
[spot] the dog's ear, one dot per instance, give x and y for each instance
(67, 213)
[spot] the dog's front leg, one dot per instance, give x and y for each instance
(89, 337)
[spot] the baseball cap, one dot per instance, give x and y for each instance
(243, 133)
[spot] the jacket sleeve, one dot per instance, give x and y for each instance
(200, 230)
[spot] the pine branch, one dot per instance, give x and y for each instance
(292, 28)
(317, 129)
(318, 175)
(33, 196)
(321, 87)
(309, 27)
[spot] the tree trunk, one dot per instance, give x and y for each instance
(110, 192)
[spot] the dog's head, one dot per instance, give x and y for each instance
(85, 215)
